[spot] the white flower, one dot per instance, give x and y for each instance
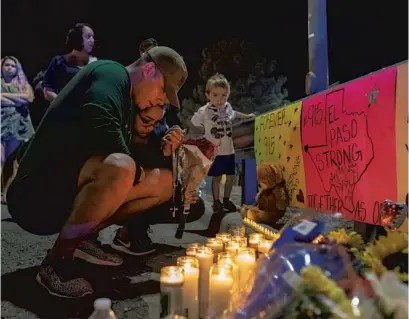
(392, 293)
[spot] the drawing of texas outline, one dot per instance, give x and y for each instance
(345, 162)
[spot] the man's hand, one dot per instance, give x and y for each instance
(192, 197)
(172, 140)
(252, 116)
(142, 177)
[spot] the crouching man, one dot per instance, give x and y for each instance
(77, 176)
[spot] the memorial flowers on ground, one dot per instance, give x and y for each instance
(373, 285)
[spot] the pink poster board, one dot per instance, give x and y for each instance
(349, 149)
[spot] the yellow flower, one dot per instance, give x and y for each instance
(315, 277)
(353, 239)
(393, 242)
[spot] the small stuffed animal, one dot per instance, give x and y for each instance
(272, 200)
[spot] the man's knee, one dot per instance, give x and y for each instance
(116, 171)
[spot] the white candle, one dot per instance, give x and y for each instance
(232, 247)
(225, 254)
(240, 239)
(254, 239)
(192, 249)
(215, 244)
(225, 237)
(237, 231)
(227, 258)
(264, 246)
(171, 283)
(246, 260)
(190, 266)
(205, 257)
(221, 283)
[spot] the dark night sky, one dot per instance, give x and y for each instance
(362, 38)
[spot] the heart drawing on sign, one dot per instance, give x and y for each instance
(300, 196)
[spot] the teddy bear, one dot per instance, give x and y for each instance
(272, 199)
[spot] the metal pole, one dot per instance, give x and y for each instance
(317, 78)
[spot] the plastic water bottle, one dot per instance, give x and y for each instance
(103, 309)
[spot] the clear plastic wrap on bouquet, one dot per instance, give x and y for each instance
(317, 279)
(191, 164)
(196, 156)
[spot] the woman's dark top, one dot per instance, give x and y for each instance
(60, 71)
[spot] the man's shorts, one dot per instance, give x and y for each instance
(42, 204)
(223, 165)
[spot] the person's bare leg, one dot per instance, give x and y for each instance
(227, 203)
(154, 190)
(132, 238)
(216, 187)
(8, 182)
(217, 205)
(228, 186)
(104, 185)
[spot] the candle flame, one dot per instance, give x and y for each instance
(261, 229)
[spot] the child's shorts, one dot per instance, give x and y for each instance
(223, 165)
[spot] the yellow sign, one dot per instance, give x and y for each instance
(277, 139)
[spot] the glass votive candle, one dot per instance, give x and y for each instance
(237, 230)
(240, 239)
(220, 289)
(190, 266)
(171, 288)
(246, 261)
(254, 239)
(225, 254)
(205, 256)
(216, 244)
(225, 237)
(232, 247)
(264, 246)
(227, 258)
(192, 249)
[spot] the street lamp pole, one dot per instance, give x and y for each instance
(317, 78)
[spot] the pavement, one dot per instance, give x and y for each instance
(133, 287)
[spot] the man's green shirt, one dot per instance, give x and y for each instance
(93, 115)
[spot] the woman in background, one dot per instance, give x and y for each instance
(80, 43)
(147, 44)
(16, 94)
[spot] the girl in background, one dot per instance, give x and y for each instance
(147, 44)
(16, 94)
(80, 43)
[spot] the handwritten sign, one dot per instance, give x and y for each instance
(349, 159)
(402, 118)
(277, 140)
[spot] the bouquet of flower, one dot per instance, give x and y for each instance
(195, 159)
(307, 281)
(191, 165)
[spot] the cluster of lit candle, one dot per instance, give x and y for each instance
(211, 278)
(261, 229)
